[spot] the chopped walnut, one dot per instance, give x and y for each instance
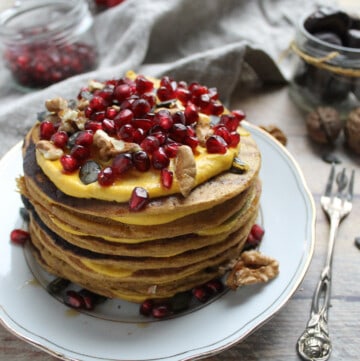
(95, 85)
(56, 104)
(276, 132)
(109, 147)
(49, 150)
(152, 290)
(185, 169)
(203, 130)
(250, 268)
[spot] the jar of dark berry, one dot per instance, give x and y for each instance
(46, 41)
(327, 48)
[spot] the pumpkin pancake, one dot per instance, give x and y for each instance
(135, 196)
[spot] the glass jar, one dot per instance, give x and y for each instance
(46, 41)
(327, 74)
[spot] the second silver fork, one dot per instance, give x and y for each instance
(315, 344)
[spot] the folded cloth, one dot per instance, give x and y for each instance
(220, 44)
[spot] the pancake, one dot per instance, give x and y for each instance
(199, 205)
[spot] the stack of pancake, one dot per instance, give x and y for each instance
(173, 244)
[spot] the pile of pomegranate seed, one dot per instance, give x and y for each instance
(255, 236)
(164, 308)
(39, 64)
(136, 111)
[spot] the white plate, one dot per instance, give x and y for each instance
(116, 331)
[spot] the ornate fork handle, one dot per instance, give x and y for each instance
(315, 344)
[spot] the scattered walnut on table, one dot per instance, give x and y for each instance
(276, 132)
(250, 268)
(324, 125)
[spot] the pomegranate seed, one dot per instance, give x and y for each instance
(140, 107)
(166, 177)
(47, 129)
(139, 135)
(85, 138)
(192, 142)
(178, 132)
(197, 90)
(257, 231)
(143, 85)
(144, 124)
(126, 132)
(150, 98)
(122, 163)
(239, 114)
(213, 93)
(191, 114)
(106, 177)
(108, 126)
(74, 300)
(235, 139)
(98, 116)
(165, 93)
(80, 153)
(201, 294)
(178, 117)
(159, 159)
(183, 95)
(88, 112)
(171, 149)
(161, 311)
(160, 136)
(214, 286)
(190, 131)
(216, 144)
(69, 163)
(93, 126)
(146, 307)
(121, 92)
(205, 104)
(139, 199)
(125, 116)
(141, 161)
(19, 236)
(111, 113)
(89, 299)
(60, 139)
(106, 93)
(217, 108)
(98, 103)
(229, 121)
(164, 119)
(223, 132)
(150, 144)
(251, 241)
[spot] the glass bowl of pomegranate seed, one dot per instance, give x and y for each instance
(46, 41)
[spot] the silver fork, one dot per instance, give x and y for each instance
(315, 344)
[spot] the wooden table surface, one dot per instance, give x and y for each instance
(277, 338)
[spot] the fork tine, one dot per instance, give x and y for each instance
(350, 193)
(330, 181)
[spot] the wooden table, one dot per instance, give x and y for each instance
(276, 339)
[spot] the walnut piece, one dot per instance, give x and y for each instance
(324, 125)
(109, 147)
(250, 268)
(185, 169)
(203, 130)
(49, 150)
(56, 104)
(276, 132)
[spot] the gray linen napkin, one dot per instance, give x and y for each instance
(220, 43)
